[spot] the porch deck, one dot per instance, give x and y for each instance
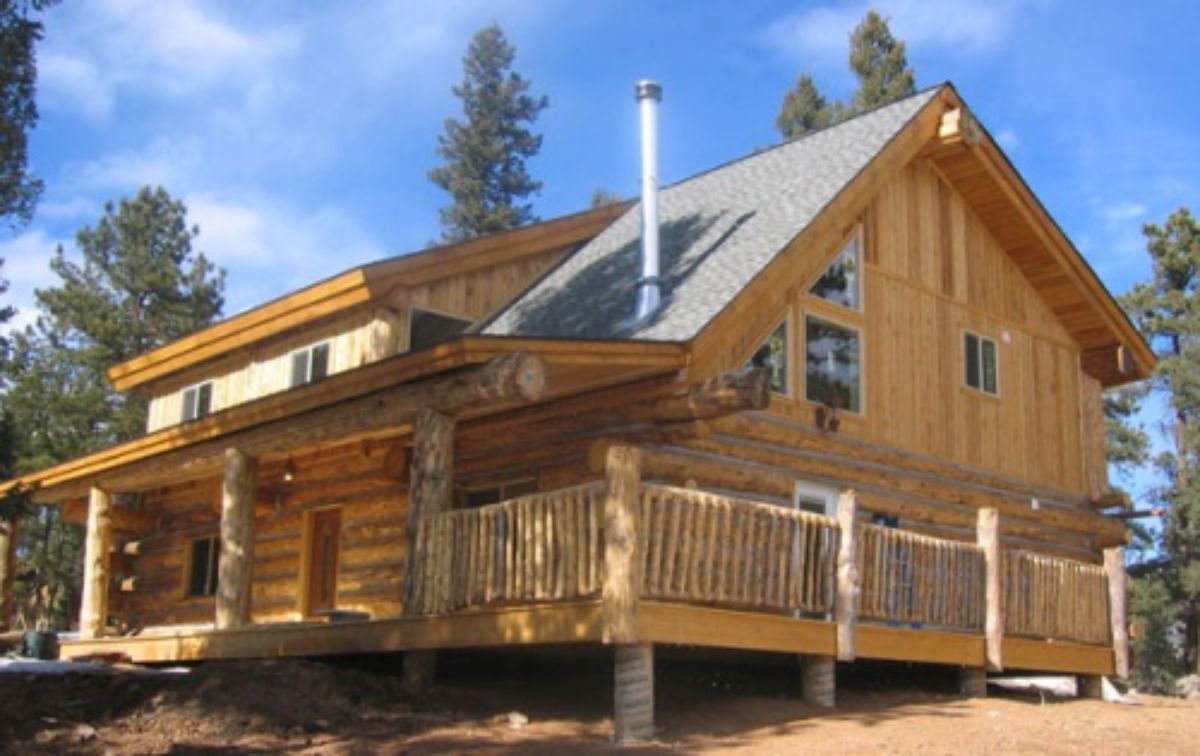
(610, 563)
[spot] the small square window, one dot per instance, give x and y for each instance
(310, 364)
(833, 365)
(773, 355)
(980, 357)
(841, 283)
(203, 566)
(197, 401)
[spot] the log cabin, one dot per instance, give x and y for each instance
(839, 399)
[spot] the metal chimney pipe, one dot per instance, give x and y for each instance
(649, 94)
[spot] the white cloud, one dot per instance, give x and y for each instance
(164, 162)
(1008, 139)
(26, 268)
(1121, 212)
(819, 37)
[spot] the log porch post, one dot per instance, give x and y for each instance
(93, 609)
(8, 565)
(633, 692)
(988, 537)
(845, 610)
(1114, 566)
(431, 481)
(236, 566)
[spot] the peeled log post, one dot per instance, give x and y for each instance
(988, 538)
(8, 565)
(236, 566)
(622, 576)
(846, 608)
(1114, 566)
(93, 609)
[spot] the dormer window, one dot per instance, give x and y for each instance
(842, 281)
(197, 401)
(310, 364)
(427, 328)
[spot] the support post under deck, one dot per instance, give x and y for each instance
(818, 680)
(633, 693)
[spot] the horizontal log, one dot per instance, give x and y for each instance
(510, 378)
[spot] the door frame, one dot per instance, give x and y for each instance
(306, 557)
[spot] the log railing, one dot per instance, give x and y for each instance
(542, 547)
(1049, 597)
(913, 578)
(709, 549)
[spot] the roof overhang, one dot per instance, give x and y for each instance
(571, 367)
(356, 287)
(1114, 351)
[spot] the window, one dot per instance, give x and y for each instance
(205, 554)
(310, 364)
(833, 374)
(810, 497)
(842, 283)
(980, 354)
(479, 497)
(773, 355)
(427, 328)
(197, 401)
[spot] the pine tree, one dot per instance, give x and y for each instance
(879, 61)
(137, 286)
(19, 35)
(485, 152)
(601, 197)
(804, 109)
(1167, 589)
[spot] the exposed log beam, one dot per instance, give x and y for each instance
(515, 377)
(1111, 365)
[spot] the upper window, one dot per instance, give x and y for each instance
(773, 355)
(810, 497)
(479, 497)
(833, 365)
(980, 354)
(842, 281)
(310, 364)
(197, 401)
(202, 566)
(427, 328)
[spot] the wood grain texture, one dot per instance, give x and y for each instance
(236, 565)
(97, 577)
(621, 584)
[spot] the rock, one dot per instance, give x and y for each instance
(517, 720)
(84, 733)
(1188, 687)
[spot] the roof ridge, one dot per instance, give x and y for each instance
(804, 137)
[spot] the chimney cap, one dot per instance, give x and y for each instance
(647, 88)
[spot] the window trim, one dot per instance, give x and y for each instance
(214, 558)
(860, 291)
(183, 418)
(789, 377)
(862, 362)
(291, 361)
(979, 390)
(815, 491)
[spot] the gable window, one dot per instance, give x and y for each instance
(310, 364)
(427, 328)
(833, 365)
(204, 554)
(842, 281)
(197, 401)
(773, 355)
(980, 356)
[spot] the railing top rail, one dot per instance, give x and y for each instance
(1034, 556)
(706, 497)
(592, 487)
(908, 535)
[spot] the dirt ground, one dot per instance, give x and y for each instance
(553, 705)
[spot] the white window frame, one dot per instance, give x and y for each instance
(195, 390)
(291, 360)
(810, 490)
(995, 350)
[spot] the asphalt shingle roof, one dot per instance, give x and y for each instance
(718, 230)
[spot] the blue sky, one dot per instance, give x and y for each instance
(299, 134)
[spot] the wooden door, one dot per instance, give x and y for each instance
(323, 560)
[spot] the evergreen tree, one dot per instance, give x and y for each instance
(485, 152)
(804, 109)
(879, 61)
(1167, 585)
(19, 35)
(137, 286)
(601, 197)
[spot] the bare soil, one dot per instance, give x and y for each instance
(554, 704)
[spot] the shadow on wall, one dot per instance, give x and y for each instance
(600, 299)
